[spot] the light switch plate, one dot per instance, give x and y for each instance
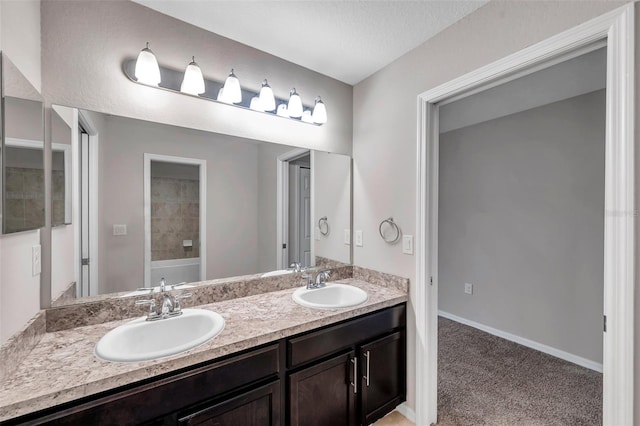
(359, 238)
(468, 288)
(119, 230)
(407, 244)
(347, 236)
(36, 260)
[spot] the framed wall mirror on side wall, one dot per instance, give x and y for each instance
(138, 201)
(22, 152)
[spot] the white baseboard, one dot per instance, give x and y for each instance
(406, 411)
(583, 362)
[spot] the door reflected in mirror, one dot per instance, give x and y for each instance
(151, 201)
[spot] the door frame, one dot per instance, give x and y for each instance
(82, 119)
(282, 204)
(617, 28)
(148, 158)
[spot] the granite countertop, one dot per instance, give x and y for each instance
(62, 367)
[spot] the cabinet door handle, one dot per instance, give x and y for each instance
(367, 355)
(354, 383)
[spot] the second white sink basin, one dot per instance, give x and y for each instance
(332, 296)
(141, 340)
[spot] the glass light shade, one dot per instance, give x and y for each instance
(193, 81)
(221, 96)
(295, 104)
(319, 112)
(232, 91)
(267, 99)
(147, 70)
(306, 116)
(256, 105)
(282, 110)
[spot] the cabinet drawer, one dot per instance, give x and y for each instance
(158, 398)
(257, 407)
(318, 344)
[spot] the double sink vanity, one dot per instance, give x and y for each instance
(253, 351)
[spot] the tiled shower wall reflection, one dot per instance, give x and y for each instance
(24, 199)
(175, 210)
(57, 204)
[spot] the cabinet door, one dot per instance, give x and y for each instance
(325, 393)
(383, 376)
(258, 407)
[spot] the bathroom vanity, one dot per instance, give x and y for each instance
(275, 363)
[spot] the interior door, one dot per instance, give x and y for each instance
(304, 215)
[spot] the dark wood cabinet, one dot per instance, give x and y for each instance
(323, 394)
(383, 376)
(349, 373)
(257, 407)
(356, 387)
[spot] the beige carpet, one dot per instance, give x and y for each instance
(486, 380)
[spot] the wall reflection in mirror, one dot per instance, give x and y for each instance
(140, 201)
(22, 153)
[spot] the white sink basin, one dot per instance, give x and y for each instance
(332, 296)
(141, 340)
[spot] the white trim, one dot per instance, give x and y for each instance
(558, 353)
(148, 157)
(85, 121)
(407, 412)
(282, 203)
(617, 27)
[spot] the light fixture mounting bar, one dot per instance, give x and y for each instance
(172, 79)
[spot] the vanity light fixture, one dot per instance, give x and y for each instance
(232, 91)
(306, 116)
(256, 105)
(295, 104)
(282, 110)
(267, 99)
(319, 112)
(147, 70)
(193, 81)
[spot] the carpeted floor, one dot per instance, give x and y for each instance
(486, 380)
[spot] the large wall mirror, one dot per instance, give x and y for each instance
(22, 152)
(137, 201)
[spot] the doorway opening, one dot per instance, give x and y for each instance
(295, 210)
(175, 211)
(617, 30)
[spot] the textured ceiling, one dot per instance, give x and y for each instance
(346, 40)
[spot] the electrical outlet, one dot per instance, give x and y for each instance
(407, 244)
(347, 236)
(36, 260)
(359, 238)
(119, 230)
(468, 288)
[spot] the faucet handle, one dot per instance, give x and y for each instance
(296, 266)
(177, 298)
(152, 306)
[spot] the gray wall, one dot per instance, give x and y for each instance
(521, 217)
(84, 44)
(384, 126)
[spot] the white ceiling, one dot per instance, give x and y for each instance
(347, 40)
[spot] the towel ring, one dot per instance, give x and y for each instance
(323, 226)
(394, 226)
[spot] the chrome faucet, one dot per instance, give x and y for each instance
(296, 266)
(320, 280)
(169, 308)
